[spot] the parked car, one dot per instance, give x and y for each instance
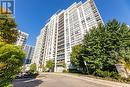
(26, 75)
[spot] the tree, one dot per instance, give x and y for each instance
(33, 68)
(76, 57)
(64, 65)
(8, 31)
(50, 64)
(11, 56)
(42, 67)
(102, 46)
(11, 59)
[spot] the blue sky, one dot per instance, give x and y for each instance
(31, 15)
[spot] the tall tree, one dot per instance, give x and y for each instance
(8, 31)
(102, 46)
(11, 56)
(76, 57)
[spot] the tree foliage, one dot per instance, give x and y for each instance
(50, 64)
(11, 56)
(11, 59)
(103, 47)
(8, 31)
(76, 57)
(33, 68)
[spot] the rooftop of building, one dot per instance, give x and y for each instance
(71, 6)
(23, 33)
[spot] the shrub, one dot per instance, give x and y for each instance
(115, 75)
(65, 71)
(104, 74)
(32, 68)
(101, 73)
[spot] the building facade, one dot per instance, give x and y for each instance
(22, 38)
(29, 50)
(64, 30)
(39, 49)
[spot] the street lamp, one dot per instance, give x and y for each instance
(86, 67)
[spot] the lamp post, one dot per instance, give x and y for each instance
(86, 67)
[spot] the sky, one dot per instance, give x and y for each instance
(31, 15)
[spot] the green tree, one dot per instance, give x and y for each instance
(8, 31)
(33, 68)
(11, 56)
(64, 65)
(76, 57)
(102, 46)
(11, 59)
(50, 64)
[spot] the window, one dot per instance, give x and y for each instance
(88, 18)
(68, 44)
(76, 32)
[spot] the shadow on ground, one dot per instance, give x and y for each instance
(27, 82)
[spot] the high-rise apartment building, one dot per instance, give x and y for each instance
(22, 38)
(29, 50)
(64, 30)
(39, 49)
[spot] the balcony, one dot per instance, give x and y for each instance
(61, 49)
(61, 34)
(60, 53)
(61, 43)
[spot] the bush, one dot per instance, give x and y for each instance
(65, 71)
(32, 68)
(104, 74)
(115, 75)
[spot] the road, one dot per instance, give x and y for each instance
(51, 80)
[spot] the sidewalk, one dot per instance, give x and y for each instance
(94, 80)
